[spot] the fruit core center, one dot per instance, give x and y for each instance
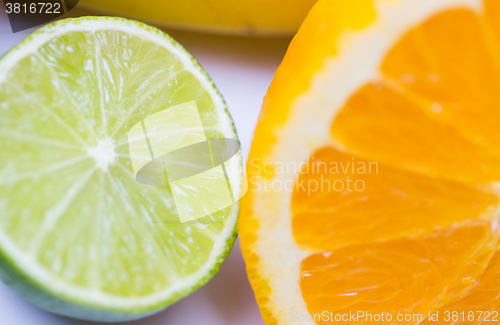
(104, 153)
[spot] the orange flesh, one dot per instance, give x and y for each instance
(335, 215)
(419, 236)
(403, 275)
(481, 305)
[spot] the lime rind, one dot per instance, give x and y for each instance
(58, 302)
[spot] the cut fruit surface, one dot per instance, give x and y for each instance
(480, 305)
(433, 202)
(79, 235)
(383, 117)
(408, 274)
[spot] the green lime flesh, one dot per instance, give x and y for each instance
(79, 236)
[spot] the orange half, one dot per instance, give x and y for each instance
(375, 167)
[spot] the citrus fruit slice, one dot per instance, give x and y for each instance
(79, 234)
(374, 166)
(244, 17)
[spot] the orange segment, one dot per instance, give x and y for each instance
(341, 199)
(400, 276)
(481, 305)
(450, 63)
(388, 126)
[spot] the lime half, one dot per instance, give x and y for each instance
(79, 235)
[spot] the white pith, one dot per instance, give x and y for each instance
(104, 155)
(312, 114)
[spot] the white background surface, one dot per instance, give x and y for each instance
(242, 69)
